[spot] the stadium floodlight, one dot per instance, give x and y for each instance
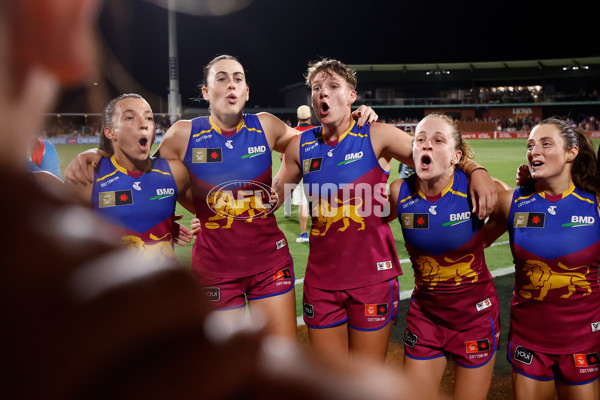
(203, 7)
(174, 97)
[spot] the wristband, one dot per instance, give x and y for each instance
(477, 169)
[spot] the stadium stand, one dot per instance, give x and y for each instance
(484, 96)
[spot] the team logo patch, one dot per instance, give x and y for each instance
(477, 346)
(482, 305)
(373, 310)
(116, 198)
(212, 293)
(529, 220)
(309, 310)
(595, 326)
(312, 165)
(523, 355)
(282, 274)
(586, 360)
(410, 339)
(205, 155)
(415, 221)
(384, 265)
(280, 244)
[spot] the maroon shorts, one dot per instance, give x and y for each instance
(368, 308)
(424, 339)
(573, 369)
(228, 293)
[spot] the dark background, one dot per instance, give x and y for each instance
(274, 39)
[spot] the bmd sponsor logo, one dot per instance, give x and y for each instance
(163, 193)
(255, 151)
(458, 218)
(577, 221)
(351, 157)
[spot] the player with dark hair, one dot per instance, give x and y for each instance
(553, 223)
(83, 319)
(131, 190)
(240, 255)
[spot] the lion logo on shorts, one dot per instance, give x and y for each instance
(344, 212)
(431, 272)
(543, 278)
(158, 250)
(227, 207)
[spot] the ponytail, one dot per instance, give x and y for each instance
(585, 172)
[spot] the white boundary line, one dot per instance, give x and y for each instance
(405, 295)
(406, 260)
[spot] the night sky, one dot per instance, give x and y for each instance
(275, 39)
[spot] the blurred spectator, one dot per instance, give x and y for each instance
(43, 157)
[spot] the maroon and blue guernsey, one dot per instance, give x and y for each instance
(231, 183)
(140, 204)
(445, 244)
(556, 249)
(351, 243)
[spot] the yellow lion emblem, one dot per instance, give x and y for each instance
(328, 215)
(543, 278)
(162, 249)
(227, 207)
(431, 272)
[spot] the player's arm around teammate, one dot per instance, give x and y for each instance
(554, 234)
(128, 134)
(447, 310)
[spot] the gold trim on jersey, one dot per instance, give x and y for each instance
(569, 191)
(214, 127)
(408, 198)
(160, 172)
(447, 189)
(308, 143)
(119, 168)
(342, 136)
(347, 132)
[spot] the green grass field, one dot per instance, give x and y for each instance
(500, 157)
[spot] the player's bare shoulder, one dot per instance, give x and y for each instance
(180, 130)
(175, 141)
(278, 134)
(391, 142)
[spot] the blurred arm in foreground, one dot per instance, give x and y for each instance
(83, 318)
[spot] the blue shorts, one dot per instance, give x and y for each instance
(368, 308)
(229, 293)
